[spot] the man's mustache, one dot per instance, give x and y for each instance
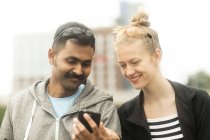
(74, 75)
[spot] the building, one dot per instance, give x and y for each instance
(31, 61)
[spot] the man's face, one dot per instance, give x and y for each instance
(71, 65)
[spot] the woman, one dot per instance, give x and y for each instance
(163, 109)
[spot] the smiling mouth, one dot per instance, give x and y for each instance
(135, 79)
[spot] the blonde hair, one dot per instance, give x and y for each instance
(138, 30)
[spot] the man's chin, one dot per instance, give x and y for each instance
(76, 82)
(72, 87)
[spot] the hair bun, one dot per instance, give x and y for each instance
(140, 19)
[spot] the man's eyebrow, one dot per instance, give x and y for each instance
(72, 57)
(77, 59)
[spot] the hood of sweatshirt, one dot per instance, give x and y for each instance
(90, 96)
(38, 111)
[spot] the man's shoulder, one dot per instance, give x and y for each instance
(20, 94)
(24, 95)
(95, 90)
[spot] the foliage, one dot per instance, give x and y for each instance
(2, 111)
(199, 80)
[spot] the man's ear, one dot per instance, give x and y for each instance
(51, 56)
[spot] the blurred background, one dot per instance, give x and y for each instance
(27, 28)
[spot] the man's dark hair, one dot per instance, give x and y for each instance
(77, 32)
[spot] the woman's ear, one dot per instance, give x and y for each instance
(157, 56)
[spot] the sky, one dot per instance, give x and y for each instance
(183, 28)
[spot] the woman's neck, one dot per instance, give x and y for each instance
(159, 99)
(158, 90)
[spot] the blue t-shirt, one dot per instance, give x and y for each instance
(62, 105)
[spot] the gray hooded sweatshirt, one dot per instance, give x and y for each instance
(30, 115)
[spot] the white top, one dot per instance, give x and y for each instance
(165, 128)
(62, 105)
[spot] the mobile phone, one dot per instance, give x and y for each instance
(95, 116)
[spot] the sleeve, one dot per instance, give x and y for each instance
(6, 132)
(110, 117)
(124, 126)
(202, 115)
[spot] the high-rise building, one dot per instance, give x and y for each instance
(127, 9)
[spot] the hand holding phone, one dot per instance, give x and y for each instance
(95, 116)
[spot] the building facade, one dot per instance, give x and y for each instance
(31, 61)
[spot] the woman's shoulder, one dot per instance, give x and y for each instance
(129, 105)
(186, 91)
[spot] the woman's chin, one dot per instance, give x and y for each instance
(137, 87)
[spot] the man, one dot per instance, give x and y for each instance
(46, 109)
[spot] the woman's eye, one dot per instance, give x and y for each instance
(135, 63)
(123, 66)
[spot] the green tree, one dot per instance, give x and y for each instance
(2, 111)
(200, 80)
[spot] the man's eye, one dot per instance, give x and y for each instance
(71, 61)
(88, 64)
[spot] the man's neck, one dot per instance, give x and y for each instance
(59, 92)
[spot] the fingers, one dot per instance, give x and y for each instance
(105, 132)
(73, 137)
(91, 122)
(80, 132)
(112, 134)
(97, 132)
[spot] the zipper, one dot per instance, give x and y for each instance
(57, 124)
(57, 128)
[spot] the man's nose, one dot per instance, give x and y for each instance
(78, 69)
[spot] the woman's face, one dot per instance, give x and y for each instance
(137, 65)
